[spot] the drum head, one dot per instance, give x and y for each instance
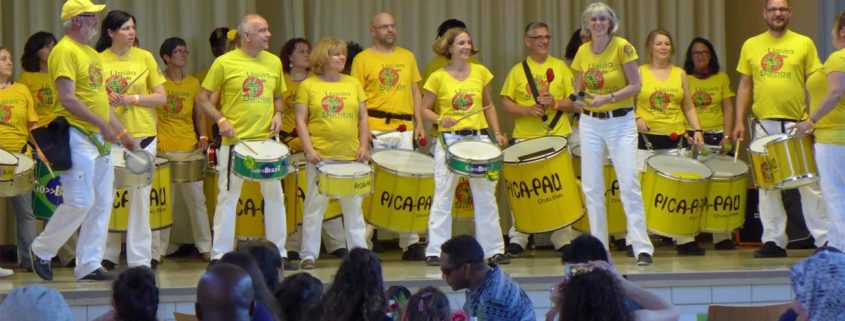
(724, 167)
(161, 161)
(474, 150)
(7, 158)
(139, 161)
(266, 149)
(681, 168)
(759, 145)
(534, 149)
(346, 169)
(24, 163)
(404, 161)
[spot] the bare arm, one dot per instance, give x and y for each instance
(835, 91)
(363, 133)
(728, 114)
(278, 109)
(199, 123)
(204, 101)
(690, 112)
(156, 97)
(428, 113)
(492, 117)
(419, 127)
(67, 96)
(743, 104)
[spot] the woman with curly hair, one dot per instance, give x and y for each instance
(266, 308)
(357, 293)
(298, 295)
(429, 304)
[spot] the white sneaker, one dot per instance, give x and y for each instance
(6, 273)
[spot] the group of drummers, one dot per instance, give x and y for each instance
(653, 150)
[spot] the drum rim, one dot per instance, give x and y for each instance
(691, 180)
(812, 177)
(284, 155)
(399, 172)
(544, 157)
(321, 172)
(772, 137)
(785, 137)
(738, 161)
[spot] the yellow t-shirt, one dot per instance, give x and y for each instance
(81, 64)
(707, 96)
(16, 111)
(778, 67)
(289, 115)
(176, 117)
(602, 74)
(659, 102)
(247, 87)
(120, 71)
(831, 128)
(517, 89)
(387, 79)
(42, 92)
(332, 115)
(459, 98)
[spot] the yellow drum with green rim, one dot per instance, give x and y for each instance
(675, 194)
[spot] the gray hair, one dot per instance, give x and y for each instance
(598, 8)
(534, 25)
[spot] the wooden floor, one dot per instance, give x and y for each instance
(180, 276)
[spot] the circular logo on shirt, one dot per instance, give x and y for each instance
(594, 79)
(461, 101)
(542, 86)
(463, 195)
(702, 99)
(45, 96)
(289, 101)
(95, 76)
(771, 62)
(333, 104)
(115, 84)
(659, 100)
(388, 76)
(253, 87)
(173, 105)
(5, 114)
(628, 49)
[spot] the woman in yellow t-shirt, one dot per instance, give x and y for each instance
(460, 88)
(34, 62)
(123, 63)
(331, 121)
(17, 117)
(295, 64)
(827, 123)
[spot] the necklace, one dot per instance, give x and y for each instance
(304, 75)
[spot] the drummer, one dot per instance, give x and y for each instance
(252, 82)
(392, 102)
(331, 120)
(528, 110)
(17, 117)
(456, 99)
(180, 129)
(662, 105)
(135, 107)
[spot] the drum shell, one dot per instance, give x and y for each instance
(8, 165)
(617, 223)
(186, 167)
(765, 173)
(295, 188)
(674, 205)
(334, 185)
(401, 200)
(23, 179)
(161, 210)
(726, 203)
(795, 163)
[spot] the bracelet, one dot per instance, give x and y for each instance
(573, 98)
(137, 99)
(556, 104)
(698, 131)
(812, 121)
(499, 133)
(204, 138)
(122, 133)
(278, 112)
(221, 120)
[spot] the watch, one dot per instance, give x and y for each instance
(612, 98)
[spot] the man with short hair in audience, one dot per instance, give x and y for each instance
(225, 292)
(491, 294)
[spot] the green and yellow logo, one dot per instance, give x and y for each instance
(116, 84)
(702, 99)
(462, 101)
(771, 62)
(594, 79)
(659, 100)
(253, 87)
(332, 104)
(388, 76)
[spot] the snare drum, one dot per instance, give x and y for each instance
(617, 223)
(404, 187)
(123, 177)
(161, 211)
(726, 198)
(186, 167)
(8, 165)
(345, 179)
(474, 158)
(23, 177)
(764, 171)
(269, 161)
(675, 194)
(295, 188)
(541, 185)
(47, 193)
(795, 163)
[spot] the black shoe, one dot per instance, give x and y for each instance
(498, 259)
(619, 244)
(725, 245)
(769, 250)
(644, 259)
(691, 249)
(288, 265)
(98, 275)
(340, 253)
(415, 252)
(514, 250)
(153, 264)
(108, 265)
(71, 263)
(561, 252)
(432, 260)
(629, 250)
(293, 255)
(41, 267)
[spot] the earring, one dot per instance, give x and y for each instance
(290, 64)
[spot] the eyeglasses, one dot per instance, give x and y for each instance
(545, 37)
(184, 51)
(773, 10)
(700, 53)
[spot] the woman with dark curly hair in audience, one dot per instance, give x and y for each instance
(134, 296)
(429, 304)
(266, 255)
(357, 293)
(266, 308)
(298, 295)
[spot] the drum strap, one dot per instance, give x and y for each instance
(535, 93)
(229, 167)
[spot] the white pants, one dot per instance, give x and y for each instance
(619, 136)
(395, 140)
(87, 193)
(333, 235)
(488, 231)
(772, 213)
(832, 174)
(194, 197)
(230, 186)
(314, 210)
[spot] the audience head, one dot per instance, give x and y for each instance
(583, 249)
(599, 10)
(443, 45)
(35, 303)
(36, 50)
(701, 54)
(115, 23)
(357, 292)
(263, 295)
(429, 304)
(298, 295)
(460, 258)
(135, 295)
(218, 41)
(225, 292)
(269, 260)
(818, 282)
(592, 295)
(295, 51)
(326, 55)
(449, 24)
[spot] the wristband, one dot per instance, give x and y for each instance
(698, 131)
(122, 133)
(204, 138)
(573, 98)
(221, 120)
(555, 107)
(137, 99)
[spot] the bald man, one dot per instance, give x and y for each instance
(225, 292)
(251, 84)
(390, 78)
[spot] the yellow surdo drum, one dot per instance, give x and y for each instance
(540, 185)
(795, 163)
(616, 221)
(295, 188)
(404, 186)
(22, 179)
(675, 194)
(762, 162)
(161, 210)
(345, 179)
(726, 198)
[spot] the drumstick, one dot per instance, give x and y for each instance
(402, 128)
(472, 113)
(736, 150)
(42, 157)
(245, 144)
(133, 81)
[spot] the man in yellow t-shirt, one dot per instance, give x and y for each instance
(251, 84)
(551, 77)
(774, 66)
(88, 192)
(177, 124)
(390, 77)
